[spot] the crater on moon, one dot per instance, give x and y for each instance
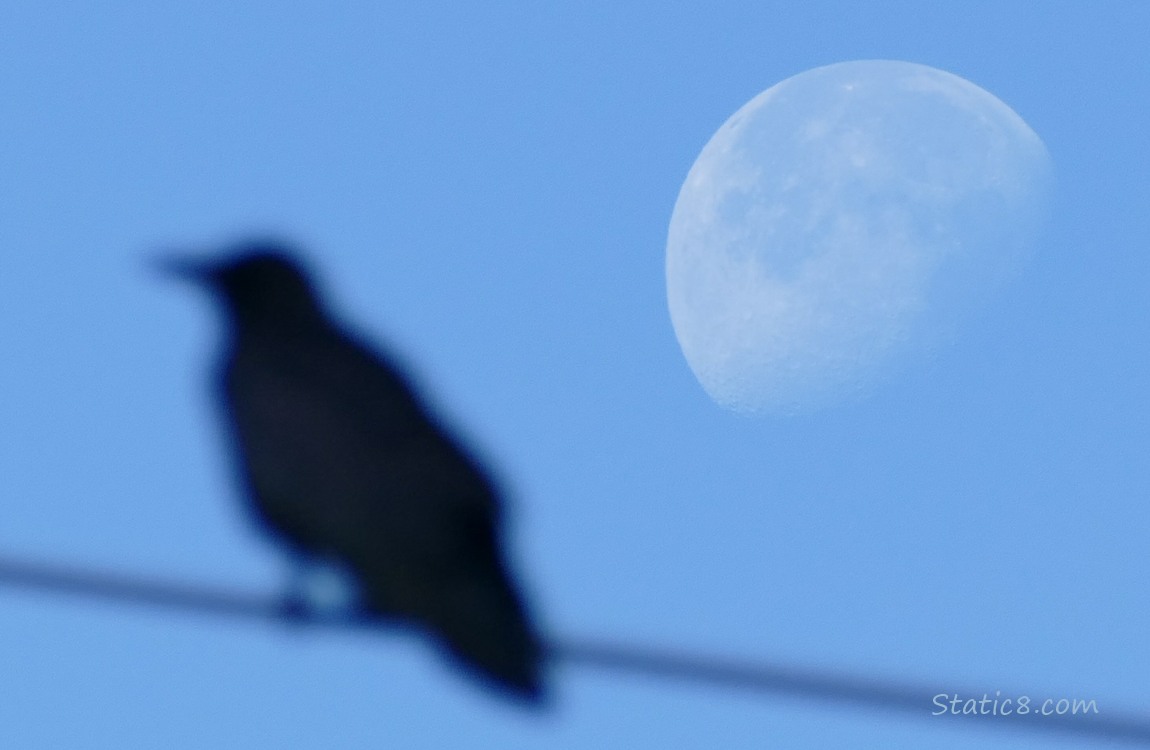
(840, 219)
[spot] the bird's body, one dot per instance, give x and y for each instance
(343, 462)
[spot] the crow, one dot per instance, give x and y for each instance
(344, 463)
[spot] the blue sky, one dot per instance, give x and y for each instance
(487, 192)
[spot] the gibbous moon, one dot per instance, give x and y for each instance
(840, 219)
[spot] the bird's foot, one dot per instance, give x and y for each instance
(294, 609)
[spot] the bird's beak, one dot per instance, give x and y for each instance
(189, 269)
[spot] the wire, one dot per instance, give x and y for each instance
(847, 689)
(765, 678)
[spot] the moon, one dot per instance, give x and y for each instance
(841, 219)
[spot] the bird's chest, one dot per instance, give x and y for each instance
(303, 446)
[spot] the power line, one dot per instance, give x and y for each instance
(834, 687)
(779, 679)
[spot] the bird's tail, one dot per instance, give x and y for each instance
(483, 625)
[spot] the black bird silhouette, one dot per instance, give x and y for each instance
(343, 462)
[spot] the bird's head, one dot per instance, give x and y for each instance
(255, 281)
